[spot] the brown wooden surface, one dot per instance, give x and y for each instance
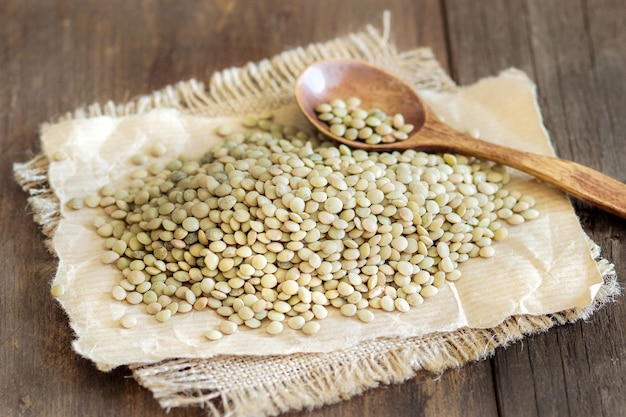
(56, 55)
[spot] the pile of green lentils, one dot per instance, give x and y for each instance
(273, 226)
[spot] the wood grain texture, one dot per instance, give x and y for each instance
(573, 50)
(57, 55)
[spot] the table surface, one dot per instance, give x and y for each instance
(57, 55)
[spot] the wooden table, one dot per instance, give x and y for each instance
(57, 55)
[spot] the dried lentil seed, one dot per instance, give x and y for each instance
(128, 321)
(232, 222)
(57, 290)
(213, 334)
(75, 203)
(311, 327)
(275, 327)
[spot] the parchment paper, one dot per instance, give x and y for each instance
(528, 275)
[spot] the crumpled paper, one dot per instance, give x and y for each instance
(544, 266)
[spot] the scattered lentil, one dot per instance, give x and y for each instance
(158, 149)
(92, 201)
(276, 225)
(365, 316)
(213, 335)
(275, 327)
(311, 327)
(164, 315)
(128, 321)
(75, 203)
(57, 290)
(139, 159)
(228, 327)
(59, 156)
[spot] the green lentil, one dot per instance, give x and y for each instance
(530, 214)
(275, 327)
(59, 156)
(224, 130)
(57, 290)
(213, 335)
(516, 219)
(158, 149)
(348, 310)
(153, 308)
(371, 126)
(134, 297)
(128, 321)
(109, 257)
(275, 225)
(365, 316)
(75, 203)
(92, 201)
(387, 303)
(311, 327)
(429, 291)
(296, 322)
(139, 159)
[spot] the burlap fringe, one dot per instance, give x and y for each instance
(240, 386)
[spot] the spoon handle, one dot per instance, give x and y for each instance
(579, 181)
(582, 182)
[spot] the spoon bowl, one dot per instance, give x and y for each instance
(342, 78)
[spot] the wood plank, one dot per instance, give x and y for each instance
(581, 104)
(465, 392)
(486, 38)
(575, 52)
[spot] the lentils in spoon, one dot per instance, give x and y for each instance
(347, 119)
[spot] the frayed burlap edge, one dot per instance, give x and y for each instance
(240, 386)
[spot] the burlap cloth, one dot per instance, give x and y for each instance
(247, 384)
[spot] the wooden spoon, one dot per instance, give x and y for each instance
(344, 78)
